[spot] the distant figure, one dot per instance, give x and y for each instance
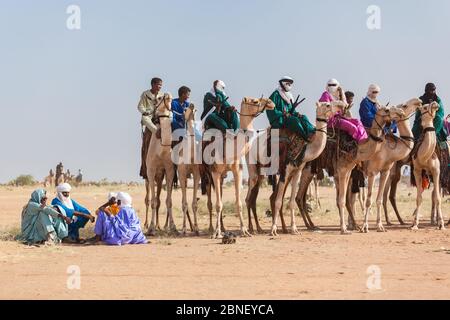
(48, 181)
(79, 178)
(59, 178)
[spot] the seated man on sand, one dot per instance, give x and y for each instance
(42, 223)
(79, 215)
(117, 222)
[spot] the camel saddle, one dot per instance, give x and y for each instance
(292, 150)
(339, 144)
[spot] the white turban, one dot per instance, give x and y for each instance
(66, 201)
(220, 85)
(63, 187)
(125, 199)
(112, 195)
(373, 87)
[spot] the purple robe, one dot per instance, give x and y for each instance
(124, 228)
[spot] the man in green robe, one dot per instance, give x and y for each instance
(42, 223)
(438, 123)
(284, 114)
(224, 117)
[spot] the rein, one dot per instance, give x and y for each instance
(256, 114)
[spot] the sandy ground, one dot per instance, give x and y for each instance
(314, 265)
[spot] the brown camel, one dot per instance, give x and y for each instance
(392, 150)
(293, 173)
(231, 161)
(426, 160)
(159, 159)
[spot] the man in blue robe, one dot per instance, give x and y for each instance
(369, 107)
(79, 215)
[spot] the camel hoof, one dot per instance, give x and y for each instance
(381, 229)
(245, 233)
(274, 232)
(295, 231)
(388, 223)
(415, 228)
(345, 232)
(260, 231)
(441, 227)
(218, 235)
(365, 228)
(151, 233)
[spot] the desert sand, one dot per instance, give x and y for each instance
(313, 265)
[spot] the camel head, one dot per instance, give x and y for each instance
(397, 113)
(327, 109)
(189, 112)
(254, 106)
(164, 105)
(428, 111)
(411, 106)
(383, 114)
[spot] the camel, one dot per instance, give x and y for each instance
(48, 181)
(186, 168)
(343, 167)
(293, 173)
(426, 160)
(250, 109)
(392, 150)
(159, 159)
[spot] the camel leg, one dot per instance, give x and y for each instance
(419, 199)
(196, 175)
(219, 206)
(184, 203)
(382, 184)
(316, 190)
(365, 227)
(393, 192)
(253, 204)
(292, 204)
(151, 190)
(344, 176)
(169, 179)
(159, 183)
(437, 195)
(300, 198)
(147, 202)
(385, 198)
(210, 206)
(278, 202)
(222, 225)
(252, 182)
(237, 189)
(350, 200)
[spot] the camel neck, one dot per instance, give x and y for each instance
(318, 141)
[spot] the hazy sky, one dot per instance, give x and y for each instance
(71, 95)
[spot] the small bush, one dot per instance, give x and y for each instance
(23, 180)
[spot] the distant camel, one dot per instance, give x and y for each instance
(48, 181)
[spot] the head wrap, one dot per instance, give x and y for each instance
(284, 89)
(125, 199)
(66, 201)
(112, 195)
(429, 96)
(218, 85)
(37, 195)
